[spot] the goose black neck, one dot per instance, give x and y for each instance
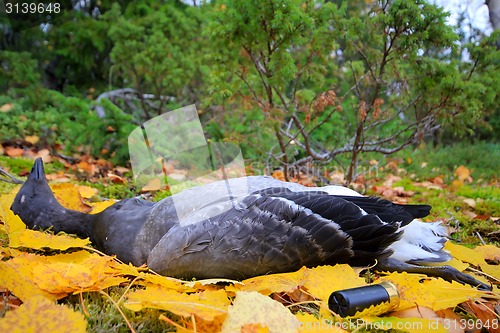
(72, 222)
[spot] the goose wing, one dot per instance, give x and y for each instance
(274, 230)
(263, 234)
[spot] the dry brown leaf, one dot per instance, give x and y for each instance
(152, 185)
(121, 169)
(462, 173)
(470, 202)
(254, 308)
(40, 315)
(6, 107)
(13, 151)
(484, 311)
(44, 154)
(116, 179)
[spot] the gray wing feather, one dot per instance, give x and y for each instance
(263, 235)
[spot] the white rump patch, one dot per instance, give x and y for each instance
(417, 237)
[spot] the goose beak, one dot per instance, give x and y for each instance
(37, 171)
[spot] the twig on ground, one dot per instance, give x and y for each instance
(480, 238)
(11, 179)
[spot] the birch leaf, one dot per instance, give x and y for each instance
(320, 281)
(465, 254)
(40, 315)
(206, 305)
(489, 252)
(437, 294)
(39, 240)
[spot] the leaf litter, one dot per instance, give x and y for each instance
(64, 265)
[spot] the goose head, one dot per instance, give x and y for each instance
(39, 209)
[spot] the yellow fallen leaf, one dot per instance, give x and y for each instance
(33, 139)
(12, 222)
(86, 192)
(254, 328)
(437, 294)
(492, 270)
(320, 282)
(464, 253)
(15, 275)
(166, 282)
(206, 305)
(457, 264)
(255, 308)
(40, 315)
(68, 195)
(489, 252)
(98, 207)
(268, 284)
(39, 240)
(62, 277)
(78, 271)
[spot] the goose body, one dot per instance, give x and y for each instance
(261, 226)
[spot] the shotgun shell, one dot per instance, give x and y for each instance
(349, 301)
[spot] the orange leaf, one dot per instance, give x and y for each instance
(279, 174)
(40, 315)
(462, 173)
(13, 151)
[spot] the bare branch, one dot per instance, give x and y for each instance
(10, 178)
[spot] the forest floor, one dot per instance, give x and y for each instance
(460, 183)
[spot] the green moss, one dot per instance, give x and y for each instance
(16, 165)
(104, 316)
